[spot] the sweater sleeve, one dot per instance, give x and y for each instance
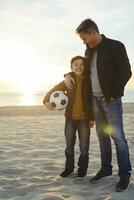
(61, 87)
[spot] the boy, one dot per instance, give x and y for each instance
(79, 117)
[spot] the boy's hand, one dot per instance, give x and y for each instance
(91, 124)
(69, 81)
(49, 106)
(112, 99)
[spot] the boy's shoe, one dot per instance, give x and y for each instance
(123, 184)
(81, 175)
(100, 175)
(66, 173)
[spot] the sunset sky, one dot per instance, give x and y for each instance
(37, 38)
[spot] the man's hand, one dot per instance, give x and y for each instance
(49, 106)
(69, 81)
(91, 124)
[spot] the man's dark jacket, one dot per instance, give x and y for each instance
(113, 66)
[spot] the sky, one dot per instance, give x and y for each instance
(38, 39)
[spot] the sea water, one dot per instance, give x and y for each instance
(13, 99)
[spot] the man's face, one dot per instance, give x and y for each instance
(88, 38)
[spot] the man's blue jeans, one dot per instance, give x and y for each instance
(81, 126)
(109, 122)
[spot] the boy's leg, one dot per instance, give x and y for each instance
(70, 136)
(84, 139)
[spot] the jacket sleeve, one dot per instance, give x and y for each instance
(70, 73)
(123, 68)
(61, 86)
(91, 113)
(91, 117)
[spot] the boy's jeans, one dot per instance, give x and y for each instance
(109, 122)
(71, 126)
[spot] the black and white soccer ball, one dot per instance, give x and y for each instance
(59, 100)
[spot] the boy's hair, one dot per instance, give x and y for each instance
(87, 26)
(76, 58)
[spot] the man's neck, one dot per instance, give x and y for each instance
(98, 40)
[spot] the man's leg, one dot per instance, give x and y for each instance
(104, 140)
(113, 112)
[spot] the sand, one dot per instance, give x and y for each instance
(32, 157)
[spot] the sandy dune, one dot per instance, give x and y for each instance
(32, 157)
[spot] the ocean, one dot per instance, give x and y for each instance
(13, 99)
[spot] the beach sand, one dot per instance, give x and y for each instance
(32, 157)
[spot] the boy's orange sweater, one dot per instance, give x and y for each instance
(78, 109)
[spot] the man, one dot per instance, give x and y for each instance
(108, 68)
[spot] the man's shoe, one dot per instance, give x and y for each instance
(100, 175)
(66, 173)
(123, 184)
(81, 175)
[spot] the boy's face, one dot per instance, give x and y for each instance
(78, 66)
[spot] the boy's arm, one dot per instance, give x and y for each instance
(61, 86)
(49, 106)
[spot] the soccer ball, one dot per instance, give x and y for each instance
(58, 100)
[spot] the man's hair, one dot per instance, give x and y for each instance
(76, 58)
(87, 26)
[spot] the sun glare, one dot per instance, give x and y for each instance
(27, 99)
(24, 66)
(25, 70)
